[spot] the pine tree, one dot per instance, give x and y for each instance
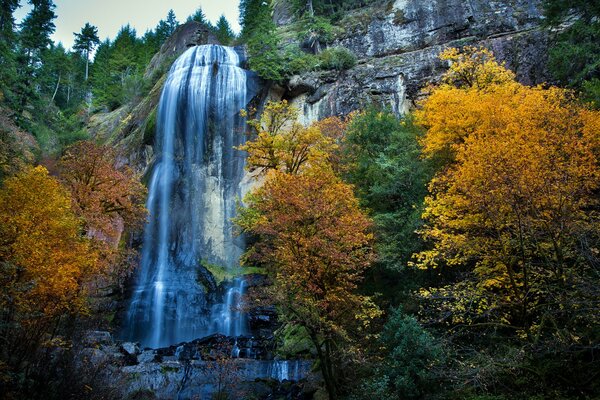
(8, 70)
(36, 29)
(253, 14)
(85, 42)
(7, 20)
(165, 28)
(171, 21)
(224, 32)
(198, 16)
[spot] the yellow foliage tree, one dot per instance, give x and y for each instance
(515, 203)
(44, 258)
(282, 143)
(312, 237)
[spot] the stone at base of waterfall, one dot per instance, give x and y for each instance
(132, 349)
(147, 356)
(96, 338)
(198, 378)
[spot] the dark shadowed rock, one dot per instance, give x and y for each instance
(185, 36)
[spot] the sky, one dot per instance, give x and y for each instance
(110, 15)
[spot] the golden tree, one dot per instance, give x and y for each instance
(312, 237)
(516, 202)
(45, 261)
(282, 143)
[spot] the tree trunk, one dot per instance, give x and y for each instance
(87, 65)
(56, 89)
(326, 369)
(309, 8)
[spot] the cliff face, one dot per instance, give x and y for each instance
(132, 127)
(397, 45)
(396, 42)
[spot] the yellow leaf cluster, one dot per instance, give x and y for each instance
(521, 170)
(282, 143)
(45, 259)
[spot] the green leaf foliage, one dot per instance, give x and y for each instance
(391, 180)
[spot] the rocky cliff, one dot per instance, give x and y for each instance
(397, 45)
(396, 42)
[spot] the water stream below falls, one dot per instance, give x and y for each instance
(195, 184)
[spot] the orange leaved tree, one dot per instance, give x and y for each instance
(316, 244)
(108, 198)
(44, 262)
(311, 235)
(516, 204)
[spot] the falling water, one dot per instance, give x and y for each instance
(192, 197)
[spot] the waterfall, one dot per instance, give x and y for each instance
(193, 190)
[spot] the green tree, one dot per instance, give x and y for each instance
(410, 356)
(556, 10)
(117, 69)
(391, 180)
(575, 54)
(54, 71)
(85, 42)
(8, 70)
(7, 20)
(260, 33)
(36, 29)
(166, 27)
(224, 32)
(198, 16)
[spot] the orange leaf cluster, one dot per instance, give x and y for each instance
(45, 260)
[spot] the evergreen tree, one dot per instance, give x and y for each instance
(118, 67)
(7, 20)
(85, 42)
(254, 14)
(165, 28)
(224, 32)
(171, 21)
(8, 70)
(198, 16)
(36, 29)
(260, 33)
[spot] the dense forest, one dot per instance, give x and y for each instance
(452, 252)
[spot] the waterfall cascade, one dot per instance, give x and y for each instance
(193, 190)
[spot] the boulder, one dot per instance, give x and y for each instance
(96, 338)
(132, 349)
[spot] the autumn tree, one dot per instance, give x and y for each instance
(108, 198)
(44, 262)
(282, 143)
(316, 243)
(516, 203)
(312, 237)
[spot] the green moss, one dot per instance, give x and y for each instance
(221, 273)
(150, 129)
(165, 369)
(293, 340)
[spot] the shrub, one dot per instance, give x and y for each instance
(337, 58)
(412, 353)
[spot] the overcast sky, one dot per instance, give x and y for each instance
(110, 15)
